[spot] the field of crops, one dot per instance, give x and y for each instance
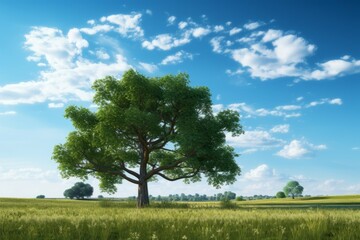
(67, 219)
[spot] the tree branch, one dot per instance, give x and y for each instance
(166, 167)
(193, 174)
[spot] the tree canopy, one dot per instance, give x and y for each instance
(79, 191)
(146, 128)
(293, 189)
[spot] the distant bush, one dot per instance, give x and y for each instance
(100, 197)
(40, 196)
(227, 204)
(240, 198)
(280, 195)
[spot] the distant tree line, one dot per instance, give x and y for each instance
(228, 195)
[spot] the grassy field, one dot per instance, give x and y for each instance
(67, 219)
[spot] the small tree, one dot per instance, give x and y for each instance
(79, 191)
(40, 196)
(293, 188)
(280, 195)
(100, 197)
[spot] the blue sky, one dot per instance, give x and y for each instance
(291, 69)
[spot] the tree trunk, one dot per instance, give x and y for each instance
(143, 195)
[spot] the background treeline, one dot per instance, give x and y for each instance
(228, 195)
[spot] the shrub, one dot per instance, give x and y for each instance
(40, 196)
(280, 195)
(227, 204)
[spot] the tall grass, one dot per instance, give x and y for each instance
(59, 219)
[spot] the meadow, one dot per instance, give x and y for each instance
(72, 219)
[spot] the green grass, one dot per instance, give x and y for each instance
(67, 219)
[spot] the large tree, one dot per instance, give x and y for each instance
(293, 188)
(146, 128)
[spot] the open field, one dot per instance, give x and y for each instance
(71, 219)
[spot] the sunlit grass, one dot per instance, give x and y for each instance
(67, 219)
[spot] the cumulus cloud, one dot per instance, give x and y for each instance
(176, 58)
(182, 24)
(234, 31)
(284, 128)
(262, 172)
(334, 68)
(258, 139)
(148, 67)
(166, 42)
(200, 32)
(280, 60)
(299, 149)
(171, 20)
(218, 28)
(216, 44)
(128, 25)
(102, 55)
(56, 105)
(252, 25)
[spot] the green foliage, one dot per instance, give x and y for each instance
(293, 189)
(280, 195)
(79, 191)
(227, 204)
(240, 198)
(40, 196)
(161, 126)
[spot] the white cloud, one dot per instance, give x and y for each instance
(218, 28)
(233, 73)
(216, 108)
(56, 105)
(102, 55)
(299, 149)
(272, 35)
(260, 173)
(62, 84)
(334, 68)
(182, 25)
(288, 107)
(299, 99)
(216, 44)
(128, 25)
(148, 12)
(200, 32)
(228, 23)
(7, 113)
(148, 67)
(234, 31)
(91, 22)
(291, 49)
(258, 139)
(171, 20)
(281, 60)
(176, 58)
(355, 148)
(26, 174)
(97, 28)
(166, 42)
(284, 128)
(279, 111)
(252, 25)
(334, 101)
